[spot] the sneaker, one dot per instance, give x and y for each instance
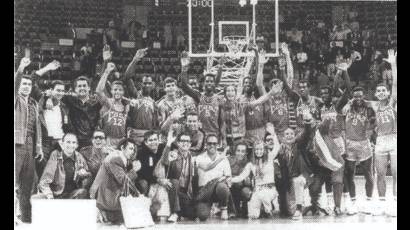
(224, 214)
(297, 215)
(352, 209)
(173, 218)
(346, 203)
(369, 207)
(337, 211)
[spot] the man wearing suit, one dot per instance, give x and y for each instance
(111, 179)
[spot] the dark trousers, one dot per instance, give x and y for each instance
(286, 199)
(179, 201)
(24, 172)
(142, 186)
(336, 180)
(349, 173)
(220, 194)
(241, 193)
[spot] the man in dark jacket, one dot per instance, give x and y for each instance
(149, 155)
(178, 179)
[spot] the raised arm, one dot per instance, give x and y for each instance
(219, 72)
(36, 92)
(289, 65)
(19, 74)
(101, 84)
(276, 144)
(132, 90)
(184, 79)
(261, 61)
(345, 96)
(275, 90)
(392, 60)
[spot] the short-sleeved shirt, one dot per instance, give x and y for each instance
(220, 170)
(113, 121)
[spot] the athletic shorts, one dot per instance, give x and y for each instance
(358, 150)
(340, 143)
(386, 144)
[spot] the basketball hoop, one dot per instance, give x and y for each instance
(235, 44)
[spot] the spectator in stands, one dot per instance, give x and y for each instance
(66, 175)
(149, 155)
(113, 180)
(27, 134)
(214, 173)
(168, 35)
(95, 154)
(111, 37)
(295, 36)
(179, 169)
(54, 119)
(179, 35)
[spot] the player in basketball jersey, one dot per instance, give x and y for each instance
(330, 110)
(208, 102)
(170, 104)
(386, 141)
(360, 119)
(143, 114)
(306, 102)
(113, 114)
(281, 109)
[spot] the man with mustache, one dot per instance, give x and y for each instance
(143, 114)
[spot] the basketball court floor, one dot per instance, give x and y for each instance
(345, 222)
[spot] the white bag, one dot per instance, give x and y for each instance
(135, 211)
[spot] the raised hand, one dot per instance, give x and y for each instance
(262, 58)
(345, 66)
(171, 137)
(133, 102)
(110, 67)
(107, 53)
(285, 49)
(136, 166)
(277, 87)
(53, 65)
(391, 56)
(178, 114)
(24, 63)
(184, 59)
(140, 53)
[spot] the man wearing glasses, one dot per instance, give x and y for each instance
(179, 169)
(96, 153)
(214, 174)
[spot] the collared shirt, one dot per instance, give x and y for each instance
(54, 122)
(220, 170)
(69, 169)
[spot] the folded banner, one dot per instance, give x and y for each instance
(330, 155)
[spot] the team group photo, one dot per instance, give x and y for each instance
(148, 113)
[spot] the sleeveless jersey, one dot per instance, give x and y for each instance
(208, 110)
(234, 118)
(114, 122)
(168, 107)
(254, 116)
(336, 120)
(356, 124)
(278, 113)
(145, 115)
(386, 120)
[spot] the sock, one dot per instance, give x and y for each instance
(299, 207)
(382, 198)
(353, 199)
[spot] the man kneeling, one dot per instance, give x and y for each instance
(66, 175)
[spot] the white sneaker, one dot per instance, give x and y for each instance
(330, 205)
(368, 207)
(297, 215)
(346, 203)
(352, 209)
(173, 218)
(391, 210)
(224, 214)
(380, 208)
